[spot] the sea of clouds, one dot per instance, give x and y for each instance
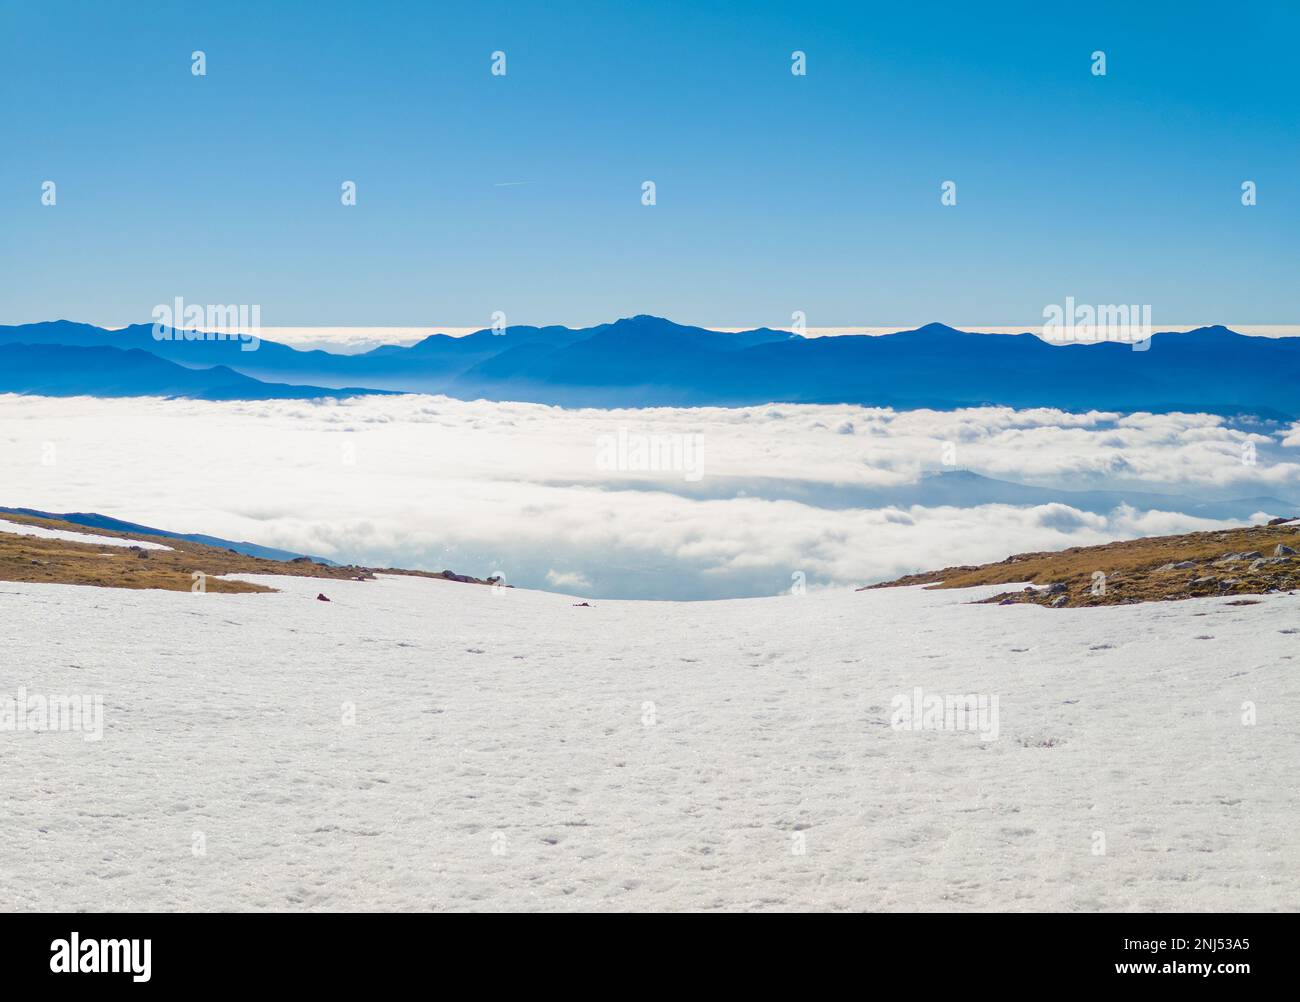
(746, 501)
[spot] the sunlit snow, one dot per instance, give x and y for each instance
(418, 744)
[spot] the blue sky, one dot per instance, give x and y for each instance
(775, 193)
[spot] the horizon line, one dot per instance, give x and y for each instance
(358, 338)
(346, 332)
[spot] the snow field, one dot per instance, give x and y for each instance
(420, 744)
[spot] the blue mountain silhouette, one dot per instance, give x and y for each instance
(650, 361)
(58, 370)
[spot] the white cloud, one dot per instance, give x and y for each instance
(479, 487)
(567, 580)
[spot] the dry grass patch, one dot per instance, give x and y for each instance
(58, 561)
(1138, 570)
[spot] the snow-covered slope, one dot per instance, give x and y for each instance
(40, 532)
(416, 744)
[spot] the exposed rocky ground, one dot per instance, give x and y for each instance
(63, 561)
(1249, 561)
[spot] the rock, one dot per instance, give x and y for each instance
(582, 605)
(1056, 588)
(1282, 550)
(1059, 601)
(1007, 601)
(1182, 565)
(321, 598)
(1204, 581)
(1281, 521)
(300, 560)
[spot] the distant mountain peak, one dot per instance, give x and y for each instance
(933, 328)
(643, 322)
(952, 475)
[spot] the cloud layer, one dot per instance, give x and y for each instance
(599, 503)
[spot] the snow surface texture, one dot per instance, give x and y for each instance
(20, 529)
(508, 750)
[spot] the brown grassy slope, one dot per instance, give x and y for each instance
(1135, 569)
(57, 561)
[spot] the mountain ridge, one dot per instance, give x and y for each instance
(103, 371)
(644, 361)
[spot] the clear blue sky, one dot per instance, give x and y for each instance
(775, 192)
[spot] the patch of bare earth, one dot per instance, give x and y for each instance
(1248, 561)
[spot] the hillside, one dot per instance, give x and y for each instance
(55, 370)
(1251, 561)
(68, 560)
(418, 745)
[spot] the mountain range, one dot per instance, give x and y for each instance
(649, 361)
